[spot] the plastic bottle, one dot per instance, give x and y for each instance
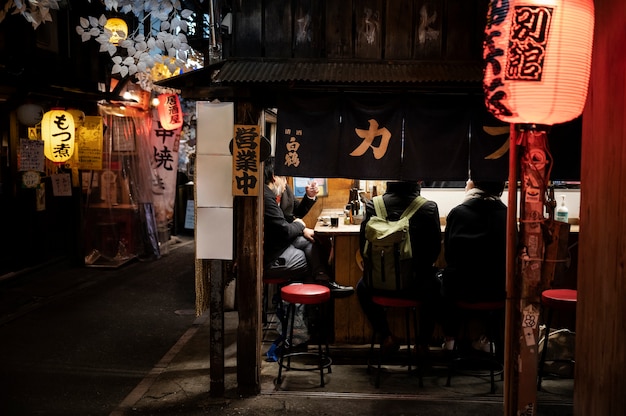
(562, 212)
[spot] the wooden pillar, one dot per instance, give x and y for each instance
(512, 288)
(247, 215)
(533, 177)
(216, 331)
(524, 269)
(601, 309)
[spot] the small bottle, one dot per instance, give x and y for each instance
(562, 212)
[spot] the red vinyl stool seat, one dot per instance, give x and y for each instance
(491, 311)
(305, 294)
(551, 300)
(410, 306)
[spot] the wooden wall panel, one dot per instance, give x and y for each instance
(601, 309)
(462, 30)
(278, 28)
(428, 29)
(247, 29)
(369, 29)
(339, 29)
(308, 29)
(399, 23)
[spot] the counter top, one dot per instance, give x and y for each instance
(350, 229)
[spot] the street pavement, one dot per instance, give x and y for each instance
(83, 341)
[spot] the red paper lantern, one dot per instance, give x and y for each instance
(537, 59)
(170, 112)
(58, 133)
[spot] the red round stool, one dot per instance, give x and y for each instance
(409, 305)
(551, 300)
(305, 294)
(492, 311)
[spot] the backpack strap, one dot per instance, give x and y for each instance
(415, 205)
(379, 206)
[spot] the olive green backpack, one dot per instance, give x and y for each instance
(388, 255)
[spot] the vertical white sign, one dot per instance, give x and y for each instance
(213, 181)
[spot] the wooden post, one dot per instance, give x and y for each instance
(523, 308)
(512, 288)
(216, 332)
(248, 249)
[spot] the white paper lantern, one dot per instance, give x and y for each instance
(29, 114)
(538, 59)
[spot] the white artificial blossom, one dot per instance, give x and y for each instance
(35, 12)
(138, 53)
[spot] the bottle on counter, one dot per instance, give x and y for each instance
(562, 213)
(347, 214)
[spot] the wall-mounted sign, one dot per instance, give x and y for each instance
(246, 171)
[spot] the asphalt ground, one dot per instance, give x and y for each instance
(85, 341)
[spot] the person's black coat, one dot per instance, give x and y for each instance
(278, 233)
(292, 207)
(424, 227)
(475, 250)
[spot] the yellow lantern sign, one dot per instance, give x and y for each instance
(118, 28)
(58, 133)
(170, 112)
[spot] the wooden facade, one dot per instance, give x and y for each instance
(601, 310)
(365, 30)
(409, 31)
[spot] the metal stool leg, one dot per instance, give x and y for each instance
(290, 317)
(546, 340)
(419, 360)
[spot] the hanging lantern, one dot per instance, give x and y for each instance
(537, 59)
(58, 134)
(78, 115)
(170, 112)
(29, 114)
(118, 28)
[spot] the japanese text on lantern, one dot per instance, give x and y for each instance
(291, 157)
(246, 146)
(527, 43)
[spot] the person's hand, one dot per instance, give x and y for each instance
(308, 234)
(311, 189)
(301, 221)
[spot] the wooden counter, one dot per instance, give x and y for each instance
(351, 326)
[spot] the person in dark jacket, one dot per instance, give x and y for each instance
(475, 245)
(293, 207)
(425, 232)
(289, 248)
(475, 251)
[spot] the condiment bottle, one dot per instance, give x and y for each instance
(562, 213)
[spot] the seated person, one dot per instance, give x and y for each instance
(425, 232)
(289, 248)
(475, 251)
(296, 208)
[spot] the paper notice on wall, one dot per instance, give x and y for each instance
(61, 184)
(89, 137)
(31, 155)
